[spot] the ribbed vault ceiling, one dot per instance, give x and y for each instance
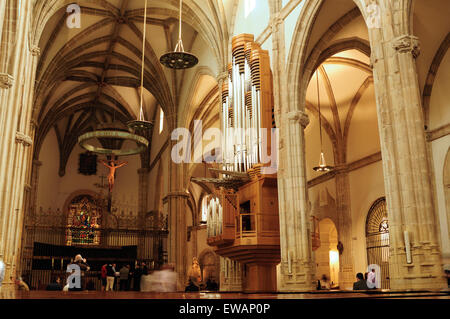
(92, 75)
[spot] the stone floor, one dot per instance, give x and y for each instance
(40, 294)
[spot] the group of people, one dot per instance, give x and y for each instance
(366, 281)
(122, 279)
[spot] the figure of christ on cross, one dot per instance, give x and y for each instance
(113, 165)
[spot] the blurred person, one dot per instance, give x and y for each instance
(324, 284)
(22, 285)
(191, 287)
(371, 279)
(55, 284)
(360, 284)
(124, 272)
(148, 281)
(2, 272)
(168, 278)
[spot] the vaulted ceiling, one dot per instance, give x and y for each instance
(92, 75)
(347, 108)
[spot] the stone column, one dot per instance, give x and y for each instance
(178, 234)
(405, 164)
(297, 266)
(344, 227)
(230, 275)
(30, 219)
(142, 210)
(16, 62)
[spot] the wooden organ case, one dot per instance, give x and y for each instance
(243, 221)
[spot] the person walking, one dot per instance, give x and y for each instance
(110, 276)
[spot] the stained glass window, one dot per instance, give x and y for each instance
(83, 221)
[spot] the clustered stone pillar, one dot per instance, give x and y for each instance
(405, 164)
(297, 266)
(176, 204)
(17, 71)
(346, 274)
(142, 210)
(30, 219)
(230, 275)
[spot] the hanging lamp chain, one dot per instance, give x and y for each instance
(141, 111)
(179, 47)
(320, 114)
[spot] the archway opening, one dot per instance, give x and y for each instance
(327, 255)
(377, 239)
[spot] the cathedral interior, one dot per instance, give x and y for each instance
(121, 141)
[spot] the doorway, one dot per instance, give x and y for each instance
(377, 239)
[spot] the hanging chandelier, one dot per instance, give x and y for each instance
(323, 167)
(111, 136)
(178, 59)
(141, 126)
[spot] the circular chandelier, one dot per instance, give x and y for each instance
(178, 59)
(114, 135)
(323, 167)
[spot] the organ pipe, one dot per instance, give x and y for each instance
(244, 105)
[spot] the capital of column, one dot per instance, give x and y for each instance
(35, 50)
(222, 76)
(6, 80)
(300, 117)
(23, 139)
(407, 44)
(177, 194)
(275, 23)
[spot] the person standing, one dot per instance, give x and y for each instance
(137, 274)
(371, 279)
(83, 266)
(124, 271)
(103, 277)
(110, 275)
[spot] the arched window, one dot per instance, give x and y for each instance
(249, 7)
(161, 120)
(204, 211)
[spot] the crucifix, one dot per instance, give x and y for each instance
(112, 165)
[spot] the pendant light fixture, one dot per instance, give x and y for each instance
(112, 136)
(178, 59)
(141, 126)
(323, 167)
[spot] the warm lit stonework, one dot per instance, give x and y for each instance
(365, 82)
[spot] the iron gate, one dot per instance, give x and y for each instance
(377, 239)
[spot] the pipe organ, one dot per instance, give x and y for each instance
(243, 222)
(246, 105)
